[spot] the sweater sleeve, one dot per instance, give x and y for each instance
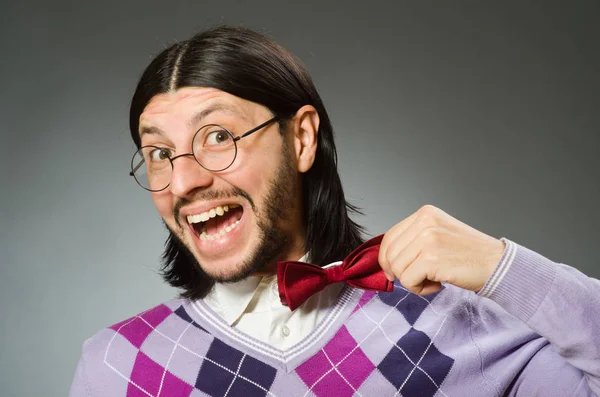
(79, 387)
(556, 301)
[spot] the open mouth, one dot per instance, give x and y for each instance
(216, 222)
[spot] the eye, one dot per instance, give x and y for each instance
(217, 138)
(160, 154)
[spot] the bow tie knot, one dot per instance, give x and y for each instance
(297, 281)
(335, 274)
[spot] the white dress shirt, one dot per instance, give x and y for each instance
(253, 307)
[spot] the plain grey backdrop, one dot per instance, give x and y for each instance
(486, 109)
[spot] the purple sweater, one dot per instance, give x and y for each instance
(533, 330)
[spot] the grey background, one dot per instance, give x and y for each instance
(488, 110)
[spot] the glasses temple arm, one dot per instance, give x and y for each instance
(266, 123)
(137, 167)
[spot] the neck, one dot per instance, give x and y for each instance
(295, 252)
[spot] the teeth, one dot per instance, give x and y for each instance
(193, 218)
(217, 211)
(204, 236)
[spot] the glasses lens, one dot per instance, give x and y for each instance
(214, 147)
(151, 168)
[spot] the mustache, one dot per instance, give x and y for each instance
(211, 195)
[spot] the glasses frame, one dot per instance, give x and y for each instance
(137, 166)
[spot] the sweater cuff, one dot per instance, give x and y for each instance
(521, 281)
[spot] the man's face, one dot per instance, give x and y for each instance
(253, 207)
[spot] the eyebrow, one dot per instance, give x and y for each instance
(198, 117)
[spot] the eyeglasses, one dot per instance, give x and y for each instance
(214, 147)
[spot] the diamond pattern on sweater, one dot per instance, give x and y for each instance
(137, 329)
(228, 371)
(379, 323)
(378, 352)
(339, 369)
(120, 355)
(411, 305)
(376, 385)
(415, 366)
(180, 311)
(150, 378)
(365, 298)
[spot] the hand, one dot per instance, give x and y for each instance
(431, 247)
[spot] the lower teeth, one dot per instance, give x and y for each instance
(224, 231)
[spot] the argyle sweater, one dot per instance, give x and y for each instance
(533, 330)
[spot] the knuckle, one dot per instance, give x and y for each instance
(428, 215)
(405, 281)
(428, 209)
(430, 235)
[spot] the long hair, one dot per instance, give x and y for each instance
(251, 66)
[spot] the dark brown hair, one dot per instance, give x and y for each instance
(252, 66)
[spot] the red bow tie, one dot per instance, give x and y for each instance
(297, 281)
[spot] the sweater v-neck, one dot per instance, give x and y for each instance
(289, 359)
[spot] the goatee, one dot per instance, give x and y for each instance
(277, 209)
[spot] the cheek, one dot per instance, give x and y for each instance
(164, 204)
(254, 174)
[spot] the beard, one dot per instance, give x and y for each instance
(274, 240)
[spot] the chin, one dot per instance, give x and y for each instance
(228, 272)
(256, 257)
(229, 263)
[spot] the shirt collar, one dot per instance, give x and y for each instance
(230, 300)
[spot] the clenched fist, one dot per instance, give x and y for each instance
(431, 247)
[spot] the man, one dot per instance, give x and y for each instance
(237, 150)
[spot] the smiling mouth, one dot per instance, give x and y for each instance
(216, 222)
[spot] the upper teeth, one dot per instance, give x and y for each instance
(204, 216)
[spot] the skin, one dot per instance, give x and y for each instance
(424, 250)
(194, 189)
(431, 247)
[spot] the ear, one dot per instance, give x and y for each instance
(305, 127)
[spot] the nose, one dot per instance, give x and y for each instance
(188, 176)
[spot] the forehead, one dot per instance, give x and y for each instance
(193, 103)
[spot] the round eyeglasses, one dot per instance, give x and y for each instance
(214, 147)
